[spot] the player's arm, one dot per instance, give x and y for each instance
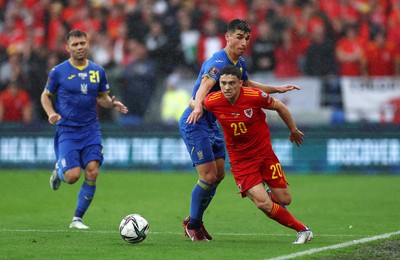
(106, 101)
(45, 99)
(296, 135)
(206, 84)
(269, 88)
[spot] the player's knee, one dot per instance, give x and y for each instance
(72, 176)
(91, 174)
(286, 200)
(265, 206)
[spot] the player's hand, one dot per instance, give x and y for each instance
(194, 116)
(287, 87)
(117, 105)
(54, 118)
(297, 137)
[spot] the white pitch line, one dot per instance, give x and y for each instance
(346, 244)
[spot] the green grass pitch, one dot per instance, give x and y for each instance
(339, 208)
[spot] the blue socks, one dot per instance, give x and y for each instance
(85, 197)
(201, 197)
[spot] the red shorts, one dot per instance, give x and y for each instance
(249, 173)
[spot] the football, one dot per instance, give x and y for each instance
(134, 228)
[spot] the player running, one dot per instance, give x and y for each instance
(78, 85)
(200, 131)
(247, 136)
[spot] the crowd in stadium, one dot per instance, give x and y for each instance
(140, 42)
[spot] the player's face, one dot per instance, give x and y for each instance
(230, 87)
(78, 48)
(237, 42)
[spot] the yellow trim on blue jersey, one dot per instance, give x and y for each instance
(79, 67)
(229, 57)
(48, 92)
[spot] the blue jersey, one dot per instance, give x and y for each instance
(76, 90)
(211, 68)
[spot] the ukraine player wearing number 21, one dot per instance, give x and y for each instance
(247, 137)
(78, 84)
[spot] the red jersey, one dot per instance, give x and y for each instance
(244, 123)
(13, 105)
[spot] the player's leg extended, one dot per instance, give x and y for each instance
(260, 198)
(88, 189)
(201, 193)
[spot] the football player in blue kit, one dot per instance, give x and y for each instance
(78, 85)
(199, 128)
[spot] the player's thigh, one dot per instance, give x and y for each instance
(92, 153)
(247, 174)
(199, 144)
(68, 157)
(272, 172)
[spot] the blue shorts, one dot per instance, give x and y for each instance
(203, 140)
(76, 147)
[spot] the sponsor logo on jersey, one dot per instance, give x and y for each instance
(248, 112)
(71, 77)
(235, 114)
(219, 61)
(82, 75)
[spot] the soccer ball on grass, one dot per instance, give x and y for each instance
(134, 228)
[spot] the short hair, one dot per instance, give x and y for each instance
(231, 70)
(238, 24)
(75, 34)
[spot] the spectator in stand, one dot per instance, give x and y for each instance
(226, 8)
(15, 104)
(287, 56)
(263, 47)
(381, 58)
(160, 47)
(13, 67)
(189, 37)
(349, 52)
(114, 20)
(174, 100)
(210, 41)
(101, 50)
(393, 32)
(320, 54)
(140, 77)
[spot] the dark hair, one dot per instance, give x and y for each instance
(231, 70)
(75, 33)
(238, 24)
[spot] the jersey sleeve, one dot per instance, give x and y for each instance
(212, 68)
(53, 81)
(265, 100)
(103, 86)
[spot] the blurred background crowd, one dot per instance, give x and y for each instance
(149, 47)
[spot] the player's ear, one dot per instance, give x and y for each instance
(67, 47)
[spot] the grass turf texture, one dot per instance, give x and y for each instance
(339, 208)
